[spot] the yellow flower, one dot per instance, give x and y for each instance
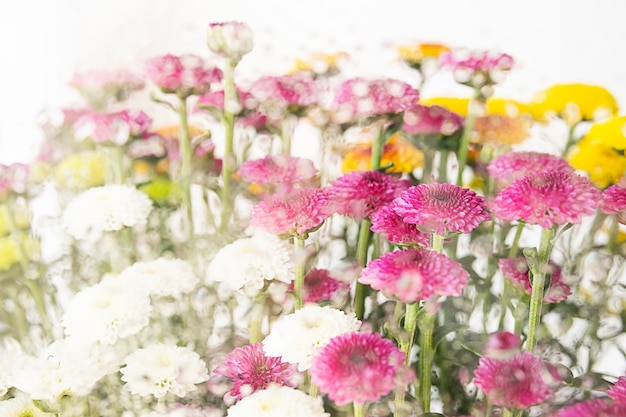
(494, 105)
(9, 252)
(319, 63)
(162, 191)
(417, 52)
(604, 164)
(458, 105)
(80, 170)
(611, 133)
(21, 217)
(404, 156)
(573, 103)
(496, 128)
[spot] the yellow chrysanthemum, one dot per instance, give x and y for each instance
(611, 133)
(9, 252)
(21, 217)
(80, 170)
(458, 105)
(416, 53)
(39, 172)
(319, 63)
(507, 107)
(604, 164)
(496, 128)
(573, 103)
(404, 156)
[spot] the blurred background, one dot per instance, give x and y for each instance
(43, 42)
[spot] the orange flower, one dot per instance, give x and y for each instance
(496, 128)
(319, 64)
(172, 131)
(404, 156)
(418, 52)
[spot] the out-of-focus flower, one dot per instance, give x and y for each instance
(500, 129)
(80, 170)
(597, 407)
(184, 75)
(518, 271)
(518, 382)
(573, 103)
(415, 274)
(232, 40)
(10, 252)
(162, 191)
(614, 201)
(278, 95)
(512, 166)
(21, 406)
(502, 345)
(278, 172)
(397, 151)
(319, 64)
(359, 368)
(278, 401)
(507, 107)
(100, 86)
(457, 105)
(359, 193)
(245, 107)
(250, 370)
(13, 178)
(12, 359)
(319, 285)
(441, 208)
(162, 277)
(618, 390)
(611, 133)
(21, 218)
(421, 119)
(476, 68)
(415, 54)
(604, 165)
(546, 198)
(299, 336)
(388, 223)
(160, 369)
(115, 128)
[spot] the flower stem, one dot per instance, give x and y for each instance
(185, 167)
(506, 289)
(361, 254)
(427, 353)
(443, 166)
(465, 138)
(377, 148)
(228, 162)
(300, 262)
(359, 410)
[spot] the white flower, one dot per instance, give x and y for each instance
(278, 401)
(105, 209)
(230, 39)
(110, 310)
(299, 336)
(11, 360)
(20, 407)
(162, 277)
(160, 368)
(247, 263)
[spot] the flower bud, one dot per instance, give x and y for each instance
(231, 40)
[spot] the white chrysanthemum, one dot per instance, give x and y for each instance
(160, 368)
(299, 336)
(278, 401)
(105, 209)
(162, 277)
(247, 263)
(11, 360)
(20, 407)
(110, 310)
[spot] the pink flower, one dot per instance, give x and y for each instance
(518, 382)
(502, 345)
(231, 40)
(441, 208)
(279, 171)
(287, 93)
(300, 211)
(614, 202)
(618, 390)
(364, 98)
(359, 193)
(594, 408)
(116, 128)
(250, 370)
(420, 119)
(319, 286)
(517, 270)
(359, 367)
(97, 86)
(415, 274)
(476, 67)
(546, 198)
(512, 166)
(13, 177)
(388, 223)
(184, 75)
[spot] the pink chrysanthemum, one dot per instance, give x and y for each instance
(512, 166)
(184, 75)
(388, 223)
(441, 208)
(517, 270)
(420, 119)
(618, 390)
(319, 286)
(288, 92)
(502, 345)
(364, 98)
(13, 177)
(250, 370)
(614, 202)
(359, 193)
(282, 171)
(116, 128)
(594, 408)
(546, 198)
(300, 211)
(359, 368)
(518, 382)
(476, 67)
(415, 274)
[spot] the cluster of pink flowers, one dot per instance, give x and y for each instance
(512, 166)
(116, 128)
(388, 223)
(502, 345)
(420, 119)
(517, 270)
(600, 406)
(98, 85)
(184, 75)
(320, 286)
(476, 67)
(13, 178)
(279, 172)
(280, 94)
(614, 201)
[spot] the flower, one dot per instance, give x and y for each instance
(507, 107)
(359, 368)
(502, 345)
(248, 263)
(415, 274)
(100, 86)
(160, 369)
(573, 102)
(13, 178)
(476, 68)
(614, 201)
(298, 212)
(297, 337)
(414, 54)
(105, 209)
(441, 208)
(597, 407)
(457, 105)
(184, 75)
(250, 370)
(21, 406)
(231, 40)
(397, 151)
(420, 119)
(512, 166)
(518, 271)
(319, 64)
(278, 171)
(114, 128)
(287, 93)
(618, 390)
(359, 193)
(162, 277)
(278, 401)
(12, 360)
(611, 133)
(80, 170)
(553, 197)
(605, 165)
(319, 286)
(501, 129)
(388, 223)
(518, 382)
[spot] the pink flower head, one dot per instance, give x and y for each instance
(319, 286)
(598, 407)
(116, 128)
(618, 390)
(517, 270)
(13, 178)
(279, 171)
(359, 368)
(388, 223)
(415, 274)
(359, 193)
(476, 67)
(362, 98)
(518, 382)
(512, 166)
(278, 94)
(250, 370)
(501, 345)
(441, 208)
(614, 202)
(419, 119)
(215, 100)
(184, 75)
(546, 198)
(231, 40)
(97, 86)
(298, 212)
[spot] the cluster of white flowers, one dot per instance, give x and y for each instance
(278, 401)
(162, 277)
(21, 406)
(11, 361)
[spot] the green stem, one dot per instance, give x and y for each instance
(465, 138)
(443, 166)
(570, 139)
(313, 390)
(228, 162)
(436, 242)
(427, 354)
(359, 410)
(300, 263)
(116, 159)
(16, 236)
(361, 254)
(406, 345)
(506, 289)
(613, 232)
(538, 270)
(185, 167)
(429, 156)
(255, 332)
(378, 142)
(286, 133)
